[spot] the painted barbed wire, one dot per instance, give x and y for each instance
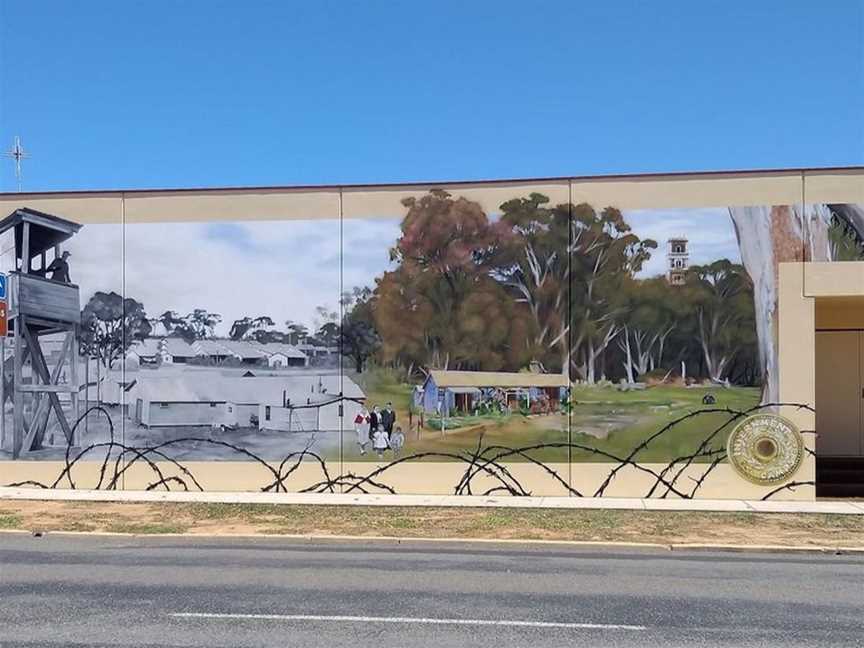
(790, 486)
(489, 462)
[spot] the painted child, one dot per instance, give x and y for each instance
(379, 442)
(397, 441)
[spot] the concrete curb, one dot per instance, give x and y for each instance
(401, 540)
(468, 501)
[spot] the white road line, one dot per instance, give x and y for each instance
(408, 620)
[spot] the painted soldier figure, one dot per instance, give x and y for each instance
(59, 268)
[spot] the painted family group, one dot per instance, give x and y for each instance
(379, 427)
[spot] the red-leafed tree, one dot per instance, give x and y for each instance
(441, 307)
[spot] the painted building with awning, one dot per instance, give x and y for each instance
(444, 391)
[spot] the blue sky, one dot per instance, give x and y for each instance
(170, 94)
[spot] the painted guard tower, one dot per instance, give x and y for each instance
(38, 307)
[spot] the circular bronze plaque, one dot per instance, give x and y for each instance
(765, 449)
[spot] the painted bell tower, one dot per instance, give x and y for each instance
(678, 260)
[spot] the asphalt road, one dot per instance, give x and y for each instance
(115, 591)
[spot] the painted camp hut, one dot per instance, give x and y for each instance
(313, 402)
(212, 351)
(280, 355)
(144, 352)
(243, 351)
(446, 391)
(181, 400)
(294, 403)
(177, 351)
(245, 396)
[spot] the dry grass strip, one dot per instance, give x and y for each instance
(746, 529)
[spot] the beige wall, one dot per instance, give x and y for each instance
(272, 203)
(721, 190)
(86, 208)
(834, 186)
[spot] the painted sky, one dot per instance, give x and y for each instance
(286, 269)
(709, 232)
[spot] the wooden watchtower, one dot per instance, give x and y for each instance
(37, 307)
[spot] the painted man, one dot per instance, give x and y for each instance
(388, 419)
(59, 268)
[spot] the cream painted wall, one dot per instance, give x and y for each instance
(269, 203)
(834, 186)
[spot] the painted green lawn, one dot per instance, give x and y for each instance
(639, 414)
(509, 431)
(381, 386)
(603, 417)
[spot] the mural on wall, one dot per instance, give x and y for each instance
(537, 333)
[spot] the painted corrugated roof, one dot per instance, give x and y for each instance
(241, 348)
(497, 379)
(317, 348)
(178, 347)
(210, 348)
(146, 347)
(181, 389)
(288, 350)
(206, 386)
(246, 349)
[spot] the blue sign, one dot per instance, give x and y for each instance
(2, 286)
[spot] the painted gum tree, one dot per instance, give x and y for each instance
(533, 263)
(604, 252)
(767, 237)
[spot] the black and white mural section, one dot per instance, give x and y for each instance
(243, 346)
(206, 340)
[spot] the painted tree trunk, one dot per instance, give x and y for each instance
(595, 352)
(624, 345)
(644, 344)
(565, 360)
(563, 342)
(767, 237)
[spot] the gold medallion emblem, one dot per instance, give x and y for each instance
(765, 449)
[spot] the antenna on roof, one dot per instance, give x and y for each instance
(17, 153)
